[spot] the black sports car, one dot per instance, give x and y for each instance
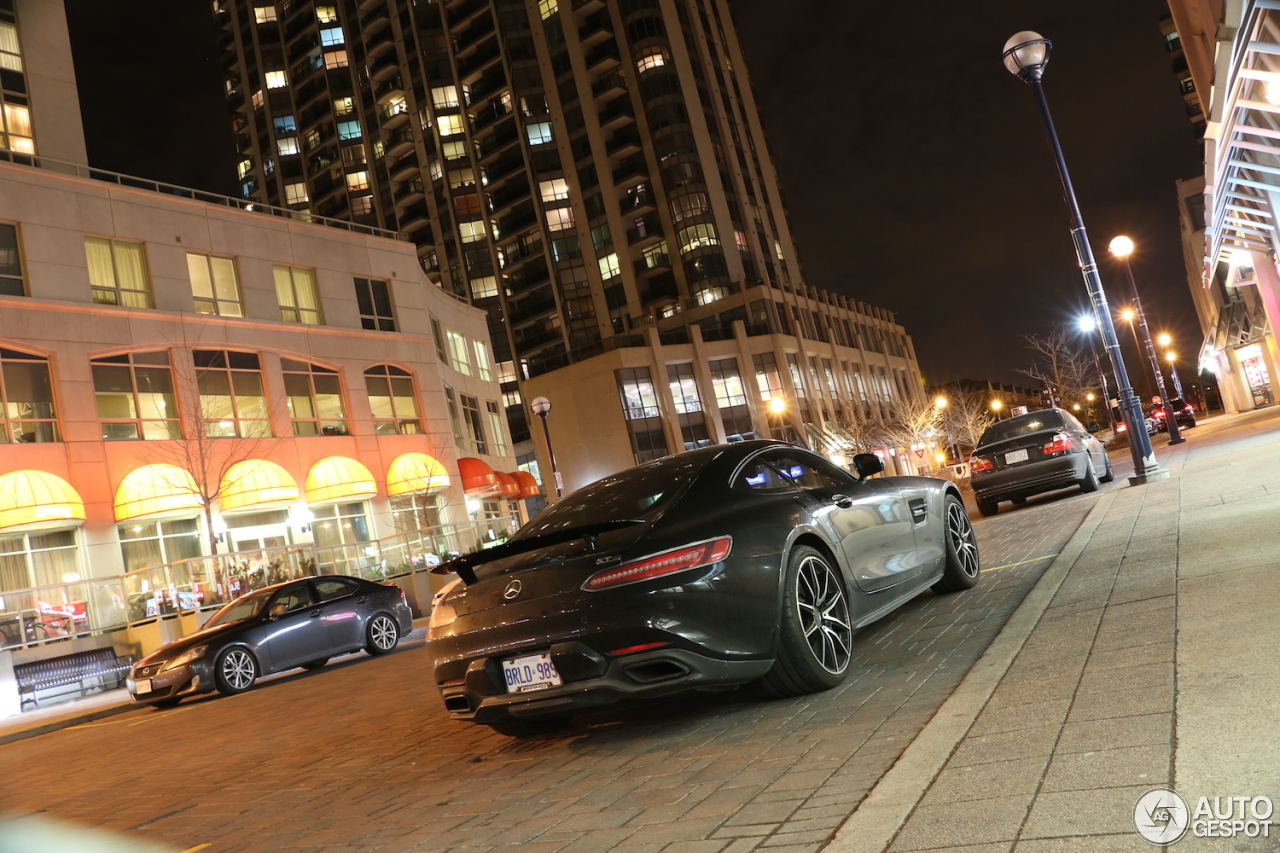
(296, 623)
(719, 566)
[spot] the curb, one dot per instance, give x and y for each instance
(876, 821)
(76, 719)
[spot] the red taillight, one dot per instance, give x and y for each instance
(1121, 427)
(658, 565)
(1061, 444)
(977, 465)
(643, 647)
(1159, 413)
(1188, 408)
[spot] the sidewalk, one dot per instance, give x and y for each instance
(1145, 657)
(99, 705)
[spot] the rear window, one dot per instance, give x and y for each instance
(634, 493)
(1027, 424)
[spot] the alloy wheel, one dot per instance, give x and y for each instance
(383, 632)
(824, 614)
(238, 669)
(960, 534)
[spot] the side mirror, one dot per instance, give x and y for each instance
(866, 464)
(277, 610)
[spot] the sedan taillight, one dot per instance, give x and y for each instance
(977, 465)
(1060, 444)
(666, 563)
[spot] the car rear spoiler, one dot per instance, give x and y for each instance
(464, 566)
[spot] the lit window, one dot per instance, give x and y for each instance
(555, 189)
(392, 401)
(264, 14)
(609, 266)
(118, 272)
(697, 236)
(506, 371)
(295, 194)
(314, 396)
(26, 399)
(17, 124)
(331, 37)
(335, 59)
(740, 237)
(495, 428)
(454, 150)
(283, 124)
(483, 287)
(539, 133)
(353, 155)
(461, 178)
(327, 14)
(276, 80)
(395, 107)
(651, 58)
(244, 167)
(373, 297)
(12, 282)
(362, 205)
(349, 130)
(656, 255)
(312, 138)
(458, 350)
(688, 205)
(10, 58)
(437, 171)
(258, 100)
(296, 292)
(777, 249)
(214, 285)
(559, 218)
(445, 97)
(344, 106)
(287, 146)
(471, 232)
(357, 181)
(269, 165)
(484, 367)
(471, 416)
(450, 125)
(232, 400)
(547, 8)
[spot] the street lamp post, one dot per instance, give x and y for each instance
(1170, 357)
(541, 406)
(1122, 248)
(1025, 56)
(1089, 325)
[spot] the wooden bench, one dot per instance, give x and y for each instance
(67, 670)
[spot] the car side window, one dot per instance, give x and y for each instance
(759, 476)
(294, 597)
(809, 472)
(330, 588)
(1072, 422)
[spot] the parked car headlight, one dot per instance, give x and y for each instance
(194, 653)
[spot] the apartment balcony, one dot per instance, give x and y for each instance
(609, 85)
(662, 290)
(380, 43)
(409, 192)
(531, 309)
(617, 113)
(623, 142)
(647, 231)
(394, 115)
(587, 6)
(464, 41)
(389, 90)
(631, 169)
(400, 142)
(404, 169)
(368, 5)
(385, 67)
(375, 20)
(458, 11)
(596, 30)
(653, 264)
(603, 58)
(474, 63)
(503, 198)
(638, 202)
(502, 136)
(414, 217)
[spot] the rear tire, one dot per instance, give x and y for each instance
(521, 728)
(382, 635)
(987, 508)
(815, 633)
(962, 566)
(1109, 474)
(235, 671)
(1090, 481)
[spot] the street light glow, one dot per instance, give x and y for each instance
(940, 402)
(997, 405)
(1171, 356)
(1121, 247)
(1164, 340)
(1088, 324)
(1127, 314)
(777, 405)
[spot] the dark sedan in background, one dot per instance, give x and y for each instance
(711, 568)
(1184, 413)
(1025, 455)
(291, 624)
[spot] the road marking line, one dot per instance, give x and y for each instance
(1022, 563)
(197, 847)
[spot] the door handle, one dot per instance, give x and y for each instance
(362, 599)
(315, 613)
(842, 501)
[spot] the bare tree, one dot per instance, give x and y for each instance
(913, 419)
(1062, 365)
(863, 434)
(966, 417)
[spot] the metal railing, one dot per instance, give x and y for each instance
(98, 605)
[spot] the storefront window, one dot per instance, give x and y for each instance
(155, 543)
(37, 559)
(416, 512)
(340, 524)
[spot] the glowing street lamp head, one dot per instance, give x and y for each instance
(1025, 55)
(1121, 247)
(1088, 324)
(1171, 356)
(997, 405)
(1165, 340)
(777, 405)
(1127, 314)
(1090, 397)
(940, 402)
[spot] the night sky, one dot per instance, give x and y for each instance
(914, 167)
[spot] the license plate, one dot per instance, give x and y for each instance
(142, 686)
(531, 672)
(1015, 456)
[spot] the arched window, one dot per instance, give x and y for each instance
(391, 397)
(314, 394)
(135, 396)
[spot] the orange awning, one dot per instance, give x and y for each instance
(35, 500)
(416, 473)
(510, 488)
(477, 477)
(529, 487)
(255, 482)
(156, 490)
(339, 478)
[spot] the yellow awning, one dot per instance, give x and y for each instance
(416, 473)
(155, 490)
(34, 500)
(255, 482)
(338, 478)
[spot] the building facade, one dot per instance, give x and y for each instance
(1228, 217)
(591, 173)
(39, 104)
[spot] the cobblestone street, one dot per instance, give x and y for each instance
(360, 755)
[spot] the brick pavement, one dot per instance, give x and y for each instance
(360, 756)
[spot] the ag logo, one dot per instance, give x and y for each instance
(1161, 816)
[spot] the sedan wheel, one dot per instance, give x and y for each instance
(1090, 481)
(382, 635)
(816, 634)
(235, 671)
(961, 569)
